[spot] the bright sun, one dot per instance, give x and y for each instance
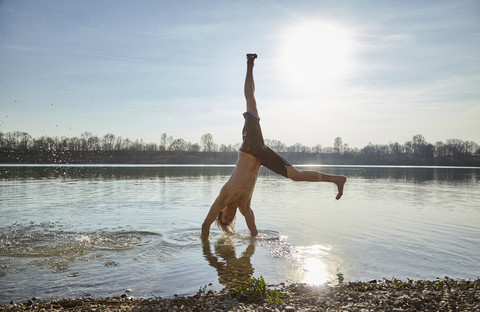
(315, 54)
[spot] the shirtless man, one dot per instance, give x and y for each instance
(238, 191)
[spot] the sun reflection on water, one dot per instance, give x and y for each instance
(313, 264)
(314, 267)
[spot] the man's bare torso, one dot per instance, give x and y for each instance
(239, 188)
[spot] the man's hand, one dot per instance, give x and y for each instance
(205, 231)
(250, 219)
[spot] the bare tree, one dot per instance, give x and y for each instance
(207, 143)
(178, 145)
(338, 145)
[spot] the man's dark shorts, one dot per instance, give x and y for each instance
(253, 144)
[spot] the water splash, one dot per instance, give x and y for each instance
(57, 248)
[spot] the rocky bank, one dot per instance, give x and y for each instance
(383, 295)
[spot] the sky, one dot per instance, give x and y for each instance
(367, 71)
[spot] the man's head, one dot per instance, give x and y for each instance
(226, 217)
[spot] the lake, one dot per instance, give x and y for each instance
(74, 231)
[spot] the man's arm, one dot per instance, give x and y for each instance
(211, 216)
(250, 218)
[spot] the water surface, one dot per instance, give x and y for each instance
(74, 231)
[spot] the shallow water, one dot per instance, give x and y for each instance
(101, 230)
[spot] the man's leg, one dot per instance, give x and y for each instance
(315, 176)
(292, 172)
(249, 88)
(278, 164)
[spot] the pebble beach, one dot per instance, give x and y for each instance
(376, 295)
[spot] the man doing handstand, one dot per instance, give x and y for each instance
(238, 191)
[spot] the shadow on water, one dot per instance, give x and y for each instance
(233, 271)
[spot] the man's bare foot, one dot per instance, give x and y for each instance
(340, 183)
(251, 57)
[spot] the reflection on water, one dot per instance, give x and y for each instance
(409, 173)
(417, 174)
(312, 259)
(233, 271)
(110, 172)
(311, 262)
(232, 258)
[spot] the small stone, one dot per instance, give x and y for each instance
(289, 308)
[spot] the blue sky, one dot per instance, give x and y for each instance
(367, 71)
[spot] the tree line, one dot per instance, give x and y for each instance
(20, 147)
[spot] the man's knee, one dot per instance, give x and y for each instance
(293, 173)
(252, 107)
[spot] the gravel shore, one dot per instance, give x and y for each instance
(382, 295)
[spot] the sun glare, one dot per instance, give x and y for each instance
(314, 267)
(315, 54)
(315, 272)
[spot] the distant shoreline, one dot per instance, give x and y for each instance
(20, 147)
